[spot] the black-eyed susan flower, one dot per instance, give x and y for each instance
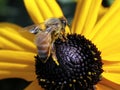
(93, 40)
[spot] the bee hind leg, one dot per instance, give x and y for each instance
(54, 55)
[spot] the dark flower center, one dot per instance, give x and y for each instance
(79, 68)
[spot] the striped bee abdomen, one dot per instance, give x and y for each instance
(43, 43)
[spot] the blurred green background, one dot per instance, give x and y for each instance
(13, 11)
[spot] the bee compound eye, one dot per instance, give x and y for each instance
(63, 21)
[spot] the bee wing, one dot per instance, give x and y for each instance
(34, 29)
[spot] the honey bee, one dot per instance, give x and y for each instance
(45, 35)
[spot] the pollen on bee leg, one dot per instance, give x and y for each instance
(54, 56)
(55, 59)
(63, 37)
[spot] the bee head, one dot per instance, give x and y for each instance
(63, 21)
(54, 25)
(52, 21)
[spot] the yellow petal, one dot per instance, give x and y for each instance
(112, 16)
(114, 77)
(112, 57)
(34, 11)
(8, 45)
(77, 11)
(44, 9)
(19, 57)
(13, 38)
(112, 71)
(4, 66)
(81, 17)
(103, 87)
(111, 42)
(91, 17)
(107, 85)
(102, 12)
(111, 49)
(54, 8)
(34, 86)
(17, 64)
(30, 76)
(84, 19)
(112, 68)
(13, 28)
(107, 28)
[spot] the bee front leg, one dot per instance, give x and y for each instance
(63, 37)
